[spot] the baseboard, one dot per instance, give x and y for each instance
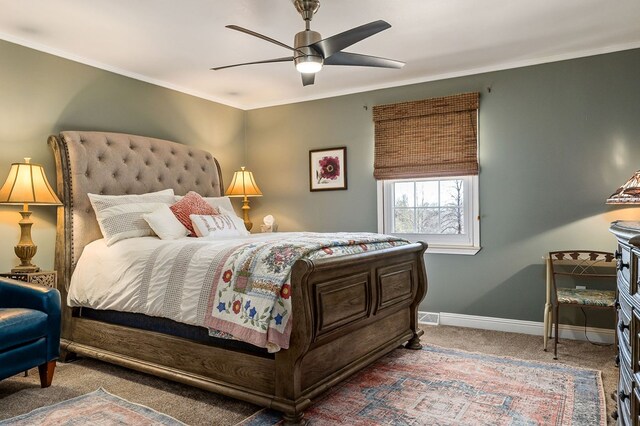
(572, 332)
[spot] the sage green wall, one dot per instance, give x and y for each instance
(554, 140)
(41, 94)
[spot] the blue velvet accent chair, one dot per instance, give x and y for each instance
(29, 329)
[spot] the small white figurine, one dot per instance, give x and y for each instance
(269, 225)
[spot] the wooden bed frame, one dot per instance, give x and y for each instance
(347, 311)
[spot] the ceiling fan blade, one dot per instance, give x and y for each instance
(308, 78)
(335, 43)
(266, 61)
(357, 60)
(263, 37)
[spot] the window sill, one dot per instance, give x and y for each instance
(440, 249)
(447, 249)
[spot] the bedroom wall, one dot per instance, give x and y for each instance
(42, 94)
(554, 141)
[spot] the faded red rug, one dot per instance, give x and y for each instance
(438, 386)
(96, 408)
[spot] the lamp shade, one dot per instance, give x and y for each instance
(27, 184)
(243, 185)
(629, 193)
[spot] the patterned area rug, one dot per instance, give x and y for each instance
(95, 408)
(438, 386)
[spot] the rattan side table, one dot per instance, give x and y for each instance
(44, 278)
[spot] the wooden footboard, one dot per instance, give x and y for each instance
(348, 312)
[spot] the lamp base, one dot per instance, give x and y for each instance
(25, 250)
(245, 213)
(25, 269)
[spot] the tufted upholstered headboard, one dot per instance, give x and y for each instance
(116, 164)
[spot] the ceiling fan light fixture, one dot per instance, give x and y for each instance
(311, 52)
(309, 64)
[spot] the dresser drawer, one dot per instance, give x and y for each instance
(626, 301)
(624, 266)
(634, 340)
(635, 407)
(624, 396)
(632, 271)
(625, 351)
(624, 413)
(624, 328)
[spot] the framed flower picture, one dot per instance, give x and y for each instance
(328, 169)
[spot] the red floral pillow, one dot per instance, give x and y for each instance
(192, 203)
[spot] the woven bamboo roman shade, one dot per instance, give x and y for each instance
(429, 138)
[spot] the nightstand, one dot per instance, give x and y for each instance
(45, 278)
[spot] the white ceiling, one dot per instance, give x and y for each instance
(173, 43)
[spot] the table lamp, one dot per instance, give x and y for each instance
(629, 193)
(243, 185)
(27, 184)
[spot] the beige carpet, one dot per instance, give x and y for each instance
(19, 394)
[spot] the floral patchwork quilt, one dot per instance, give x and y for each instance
(250, 297)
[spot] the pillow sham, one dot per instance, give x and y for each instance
(165, 224)
(192, 203)
(120, 216)
(215, 202)
(219, 225)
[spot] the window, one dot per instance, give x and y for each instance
(426, 164)
(440, 211)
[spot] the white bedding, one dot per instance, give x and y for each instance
(113, 277)
(237, 287)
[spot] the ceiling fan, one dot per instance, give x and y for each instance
(311, 51)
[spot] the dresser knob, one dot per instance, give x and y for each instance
(622, 326)
(621, 265)
(622, 396)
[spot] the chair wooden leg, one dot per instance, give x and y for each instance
(556, 314)
(46, 373)
(545, 338)
(552, 320)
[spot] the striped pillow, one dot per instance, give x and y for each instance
(120, 216)
(192, 203)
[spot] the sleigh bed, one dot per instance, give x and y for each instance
(347, 311)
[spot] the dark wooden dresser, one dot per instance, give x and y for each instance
(628, 255)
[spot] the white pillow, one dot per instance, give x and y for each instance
(218, 225)
(239, 222)
(120, 216)
(216, 202)
(165, 224)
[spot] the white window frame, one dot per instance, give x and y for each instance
(468, 244)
